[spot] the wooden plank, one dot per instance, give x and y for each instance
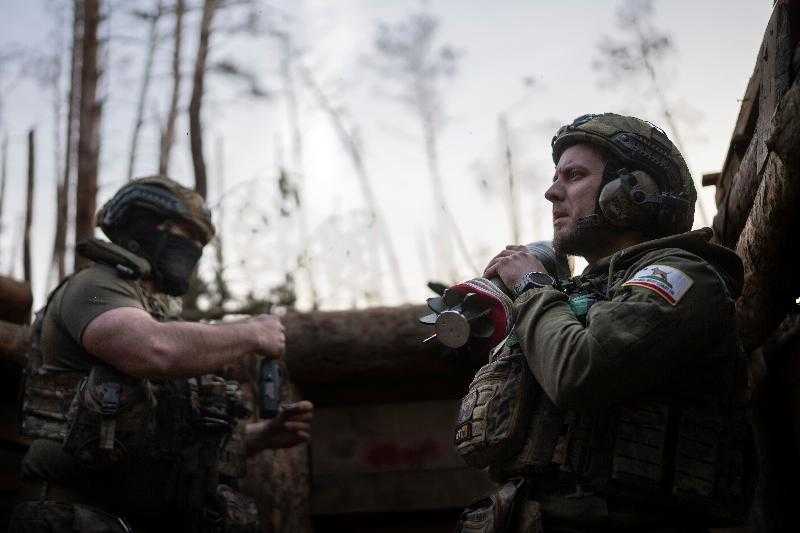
(397, 491)
(387, 437)
(450, 385)
(711, 178)
(389, 457)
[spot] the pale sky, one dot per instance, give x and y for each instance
(500, 44)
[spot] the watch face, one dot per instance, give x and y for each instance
(540, 279)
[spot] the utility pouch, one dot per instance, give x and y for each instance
(505, 510)
(542, 449)
(493, 418)
(46, 391)
(45, 402)
(110, 417)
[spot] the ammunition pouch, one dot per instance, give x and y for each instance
(691, 459)
(493, 417)
(110, 418)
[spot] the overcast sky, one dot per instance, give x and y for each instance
(529, 59)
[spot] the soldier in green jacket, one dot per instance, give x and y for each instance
(637, 358)
(131, 428)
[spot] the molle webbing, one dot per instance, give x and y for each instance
(45, 402)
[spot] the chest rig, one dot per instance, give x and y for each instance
(173, 444)
(682, 450)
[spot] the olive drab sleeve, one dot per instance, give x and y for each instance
(641, 337)
(91, 293)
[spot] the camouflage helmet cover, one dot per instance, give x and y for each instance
(638, 145)
(163, 196)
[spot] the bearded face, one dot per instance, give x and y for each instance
(576, 185)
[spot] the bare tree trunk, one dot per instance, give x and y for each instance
(152, 46)
(19, 228)
(513, 210)
(89, 128)
(350, 142)
(195, 124)
(73, 104)
(26, 242)
(3, 175)
(287, 57)
(59, 245)
(168, 135)
(219, 274)
(445, 216)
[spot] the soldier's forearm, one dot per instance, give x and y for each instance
(188, 348)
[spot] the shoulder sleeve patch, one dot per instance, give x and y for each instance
(666, 281)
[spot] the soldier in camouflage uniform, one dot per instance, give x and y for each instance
(132, 432)
(636, 398)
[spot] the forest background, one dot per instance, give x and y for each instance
(353, 150)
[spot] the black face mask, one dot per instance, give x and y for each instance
(174, 262)
(172, 258)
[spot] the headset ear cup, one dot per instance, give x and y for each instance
(627, 201)
(611, 202)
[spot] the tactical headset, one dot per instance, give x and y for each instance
(646, 184)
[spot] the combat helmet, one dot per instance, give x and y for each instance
(163, 197)
(647, 185)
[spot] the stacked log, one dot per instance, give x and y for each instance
(757, 194)
(15, 309)
(756, 191)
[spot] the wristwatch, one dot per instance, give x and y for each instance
(532, 280)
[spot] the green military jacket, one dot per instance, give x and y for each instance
(641, 357)
(664, 307)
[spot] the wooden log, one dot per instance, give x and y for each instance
(382, 342)
(766, 244)
(739, 194)
(16, 300)
(366, 356)
(747, 156)
(14, 342)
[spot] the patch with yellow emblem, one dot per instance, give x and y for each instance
(666, 281)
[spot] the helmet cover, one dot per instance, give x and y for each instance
(165, 198)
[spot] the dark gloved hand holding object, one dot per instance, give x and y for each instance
(269, 388)
(479, 313)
